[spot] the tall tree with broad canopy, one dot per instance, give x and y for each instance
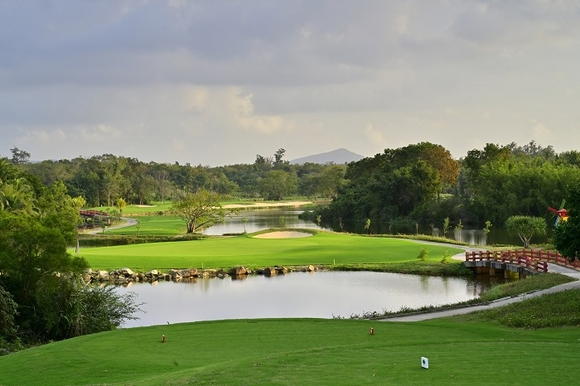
(201, 209)
(42, 295)
(567, 233)
(526, 227)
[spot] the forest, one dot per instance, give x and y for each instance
(416, 184)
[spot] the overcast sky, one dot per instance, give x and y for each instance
(217, 82)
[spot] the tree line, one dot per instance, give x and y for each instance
(101, 180)
(423, 184)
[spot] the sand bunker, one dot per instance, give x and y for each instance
(283, 235)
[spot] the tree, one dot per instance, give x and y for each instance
(39, 277)
(201, 209)
(278, 157)
(19, 156)
(526, 227)
(120, 204)
(278, 183)
(567, 233)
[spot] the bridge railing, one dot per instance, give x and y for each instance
(531, 258)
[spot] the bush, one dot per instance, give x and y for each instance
(112, 240)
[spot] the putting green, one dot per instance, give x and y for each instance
(324, 248)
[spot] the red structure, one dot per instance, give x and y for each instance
(562, 214)
(532, 259)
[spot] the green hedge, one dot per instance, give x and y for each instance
(111, 240)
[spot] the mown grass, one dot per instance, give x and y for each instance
(154, 225)
(500, 291)
(532, 283)
(324, 248)
(554, 310)
(305, 351)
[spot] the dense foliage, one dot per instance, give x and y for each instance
(422, 184)
(102, 180)
(42, 295)
(567, 233)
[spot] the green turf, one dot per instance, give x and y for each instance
(324, 248)
(303, 352)
(153, 225)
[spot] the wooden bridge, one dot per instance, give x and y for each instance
(95, 216)
(517, 262)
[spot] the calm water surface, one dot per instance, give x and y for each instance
(256, 220)
(298, 294)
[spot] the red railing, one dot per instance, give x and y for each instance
(531, 258)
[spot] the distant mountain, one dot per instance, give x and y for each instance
(339, 156)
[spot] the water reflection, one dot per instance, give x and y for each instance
(317, 295)
(256, 220)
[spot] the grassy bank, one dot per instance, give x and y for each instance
(323, 248)
(304, 351)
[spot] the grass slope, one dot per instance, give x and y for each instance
(165, 225)
(323, 248)
(303, 351)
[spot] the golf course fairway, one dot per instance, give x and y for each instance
(303, 352)
(323, 248)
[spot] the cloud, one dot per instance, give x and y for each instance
(193, 80)
(541, 134)
(242, 110)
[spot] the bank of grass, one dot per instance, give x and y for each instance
(500, 291)
(323, 248)
(530, 284)
(305, 352)
(555, 310)
(155, 225)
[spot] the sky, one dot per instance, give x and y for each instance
(218, 82)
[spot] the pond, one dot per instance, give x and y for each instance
(325, 294)
(257, 220)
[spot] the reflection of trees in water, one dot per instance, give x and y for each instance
(424, 283)
(445, 281)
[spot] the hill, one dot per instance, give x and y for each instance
(339, 156)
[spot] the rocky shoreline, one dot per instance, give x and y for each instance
(125, 276)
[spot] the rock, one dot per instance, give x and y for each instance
(270, 271)
(238, 271)
(281, 270)
(310, 268)
(189, 273)
(127, 272)
(102, 275)
(152, 273)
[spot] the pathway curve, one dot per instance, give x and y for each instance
(497, 303)
(128, 222)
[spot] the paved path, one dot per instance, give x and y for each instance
(129, 222)
(498, 303)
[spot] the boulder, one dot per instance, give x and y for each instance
(189, 273)
(175, 274)
(270, 271)
(127, 272)
(102, 275)
(281, 270)
(239, 271)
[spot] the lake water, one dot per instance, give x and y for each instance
(256, 220)
(324, 294)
